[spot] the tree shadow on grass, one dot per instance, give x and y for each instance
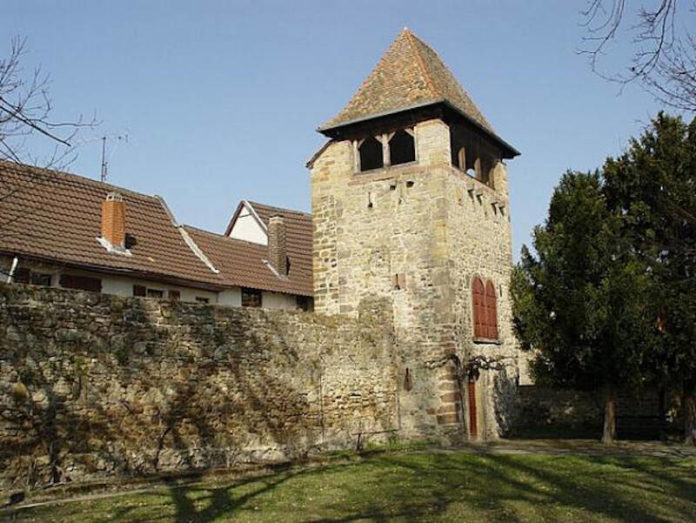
(614, 491)
(508, 488)
(221, 500)
(448, 486)
(379, 497)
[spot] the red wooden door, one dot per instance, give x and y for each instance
(473, 425)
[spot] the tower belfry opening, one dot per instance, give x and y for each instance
(371, 156)
(402, 147)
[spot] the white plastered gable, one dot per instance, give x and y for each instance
(248, 226)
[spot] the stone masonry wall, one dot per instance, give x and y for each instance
(480, 242)
(412, 234)
(93, 384)
(369, 228)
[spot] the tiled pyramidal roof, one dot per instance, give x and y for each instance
(409, 74)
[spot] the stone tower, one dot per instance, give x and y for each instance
(410, 202)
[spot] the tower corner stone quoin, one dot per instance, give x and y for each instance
(419, 234)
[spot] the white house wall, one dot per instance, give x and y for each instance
(123, 286)
(248, 229)
(111, 284)
(230, 297)
(274, 300)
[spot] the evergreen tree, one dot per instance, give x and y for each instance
(580, 301)
(653, 188)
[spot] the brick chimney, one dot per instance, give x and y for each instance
(113, 223)
(277, 250)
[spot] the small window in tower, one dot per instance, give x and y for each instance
(484, 172)
(485, 310)
(371, 154)
(408, 380)
(470, 165)
(478, 169)
(399, 281)
(402, 148)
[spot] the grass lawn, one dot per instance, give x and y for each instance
(432, 485)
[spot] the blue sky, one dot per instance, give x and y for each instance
(221, 99)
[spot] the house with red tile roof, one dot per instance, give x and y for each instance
(69, 231)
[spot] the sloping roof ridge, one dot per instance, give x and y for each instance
(190, 242)
(276, 208)
(195, 248)
(241, 205)
(44, 171)
(253, 212)
(419, 58)
(410, 74)
(166, 208)
(383, 58)
(317, 154)
(421, 46)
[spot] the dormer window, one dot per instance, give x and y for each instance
(385, 150)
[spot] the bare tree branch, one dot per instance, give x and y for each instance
(25, 111)
(25, 117)
(664, 50)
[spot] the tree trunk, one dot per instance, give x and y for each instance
(609, 432)
(689, 405)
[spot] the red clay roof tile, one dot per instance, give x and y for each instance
(409, 74)
(56, 217)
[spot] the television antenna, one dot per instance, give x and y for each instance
(106, 154)
(104, 160)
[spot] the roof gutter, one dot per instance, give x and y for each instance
(134, 273)
(325, 128)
